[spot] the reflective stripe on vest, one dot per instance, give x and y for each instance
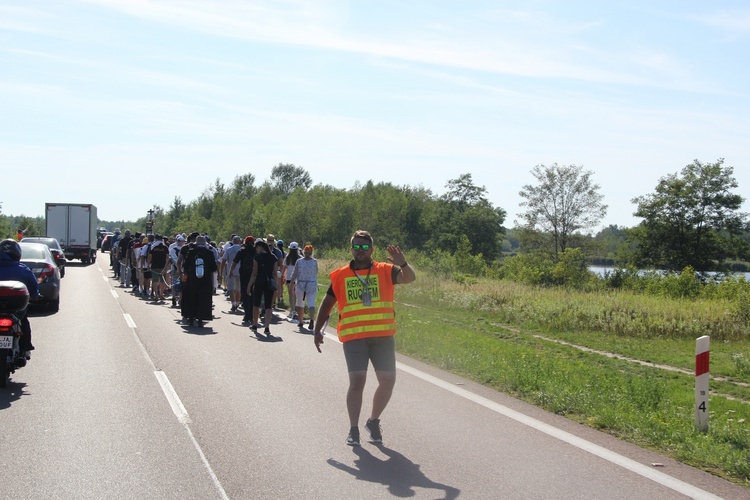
(357, 320)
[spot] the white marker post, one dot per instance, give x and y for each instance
(701, 382)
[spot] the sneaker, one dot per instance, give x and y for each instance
(373, 428)
(311, 326)
(234, 308)
(267, 331)
(353, 438)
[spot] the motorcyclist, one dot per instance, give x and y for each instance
(11, 269)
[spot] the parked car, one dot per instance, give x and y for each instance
(106, 241)
(54, 248)
(39, 259)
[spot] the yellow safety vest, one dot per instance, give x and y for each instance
(357, 320)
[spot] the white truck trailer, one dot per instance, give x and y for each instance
(74, 225)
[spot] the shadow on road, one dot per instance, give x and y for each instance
(12, 392)
(262, 337)
(198, 330)
(195, 329)
(398, 473)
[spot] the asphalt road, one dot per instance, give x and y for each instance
(121, 401)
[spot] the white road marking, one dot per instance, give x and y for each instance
(129, 320)
(114, 294)
(184, 419)
(177, 407)
(174, 400)
(609, 455)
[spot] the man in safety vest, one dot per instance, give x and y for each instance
(363, 291)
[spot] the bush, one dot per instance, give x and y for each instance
(570, 269)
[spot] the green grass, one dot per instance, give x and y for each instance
(488, 331)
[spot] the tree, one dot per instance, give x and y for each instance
(464, 211)
(463, 191)
(286, 177)
(173, 215)
(565, 201)
(4, 224)
(244, 185)
(611, 245)
(31, 226)
(691, 220)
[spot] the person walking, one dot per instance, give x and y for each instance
(244, 261)
(122, 258)
(158, 255)
(174, 254)
(231, 273)
(145, 269)
(262, 281)
(199, 266)
(363, 290)
(289, 261)
(305, 275)
(114, 245)
(278, 251)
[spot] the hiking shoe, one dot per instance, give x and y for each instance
(373, 428)
(353, 438)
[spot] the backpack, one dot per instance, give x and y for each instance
(246, 262)
(199, 267)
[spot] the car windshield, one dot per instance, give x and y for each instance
(50, 242)
(32, 252)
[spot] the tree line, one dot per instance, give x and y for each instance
(691, 219)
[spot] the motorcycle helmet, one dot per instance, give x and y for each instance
(12, 248)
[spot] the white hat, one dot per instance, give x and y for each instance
(293, 245)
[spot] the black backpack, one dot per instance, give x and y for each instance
(246, 261)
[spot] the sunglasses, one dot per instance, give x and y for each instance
(362, 247)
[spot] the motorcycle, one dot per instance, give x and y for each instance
(14, 297)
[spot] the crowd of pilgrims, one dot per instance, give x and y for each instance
(191, 268)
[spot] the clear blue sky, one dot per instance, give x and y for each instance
(129, 103)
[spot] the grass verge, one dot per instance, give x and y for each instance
(489, 332)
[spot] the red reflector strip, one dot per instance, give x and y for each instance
(701, 363)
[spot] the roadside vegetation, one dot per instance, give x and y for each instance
(526, 340)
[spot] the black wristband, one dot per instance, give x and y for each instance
(404, 265)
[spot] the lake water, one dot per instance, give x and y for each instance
(601, 271)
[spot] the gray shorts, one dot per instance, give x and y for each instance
(380, 350)
(233, 283)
